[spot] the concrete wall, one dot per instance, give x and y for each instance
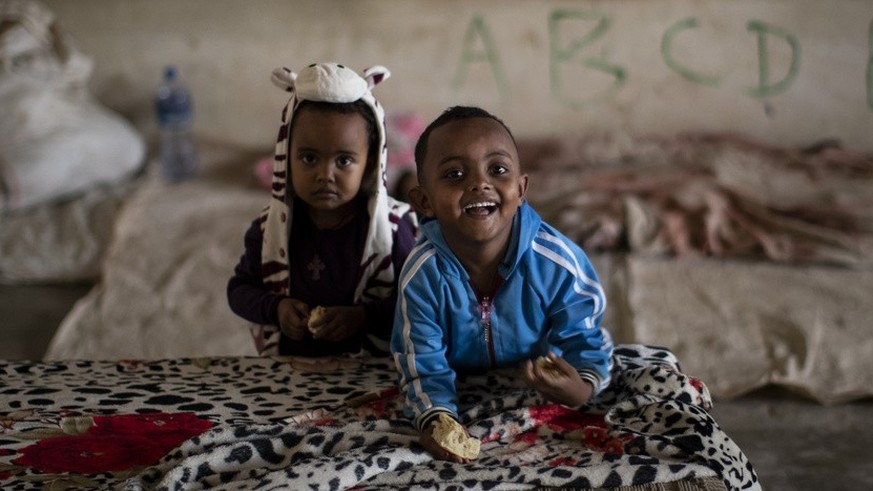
(786, 71)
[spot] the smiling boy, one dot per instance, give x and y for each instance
(490, 285)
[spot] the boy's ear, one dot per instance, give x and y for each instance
(419, 201)
(522, 186)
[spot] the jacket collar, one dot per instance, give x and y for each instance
(525, 224)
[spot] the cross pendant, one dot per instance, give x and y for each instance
(315, 266)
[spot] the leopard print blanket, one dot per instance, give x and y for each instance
(291, 423)
(652, 425)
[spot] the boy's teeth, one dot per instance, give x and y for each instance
(484, 204)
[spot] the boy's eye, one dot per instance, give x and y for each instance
(453, 174)
(498, 169)
(344, 161)
(307, 158)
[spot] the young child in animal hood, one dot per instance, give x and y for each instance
(490, 285)
(331, 236)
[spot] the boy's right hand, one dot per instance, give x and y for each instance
(427, 441)
(293, 315)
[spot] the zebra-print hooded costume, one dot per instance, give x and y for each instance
(329, 82)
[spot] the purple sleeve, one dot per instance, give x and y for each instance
(245, 289)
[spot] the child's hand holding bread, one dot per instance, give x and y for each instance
(557, 380)
(446, 439)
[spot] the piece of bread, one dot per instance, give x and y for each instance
(452, 437)
(316, 314)
(547, 365)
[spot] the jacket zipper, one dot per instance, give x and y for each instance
(485, 307)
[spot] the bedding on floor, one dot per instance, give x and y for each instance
(162, 293)
(61, 242)
(336, 423)
(66, 162)
(716, 195)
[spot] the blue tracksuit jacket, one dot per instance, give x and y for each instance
(550, 299)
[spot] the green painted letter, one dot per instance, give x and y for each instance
(478, 29)
(667, 54)
(565, 54)
(765, 88)
(870, 66)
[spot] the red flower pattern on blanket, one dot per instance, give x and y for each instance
(599, 439)
(560, 419)
(113, 443)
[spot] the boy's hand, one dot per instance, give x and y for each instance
(561, 384)
(427, 441)
(292, 318)
(338, 323)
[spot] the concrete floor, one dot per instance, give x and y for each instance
(29, 316)
(794, 444)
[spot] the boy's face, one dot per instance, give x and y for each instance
(328, 159)
(471, 182)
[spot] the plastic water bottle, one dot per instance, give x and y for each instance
(175, 113)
